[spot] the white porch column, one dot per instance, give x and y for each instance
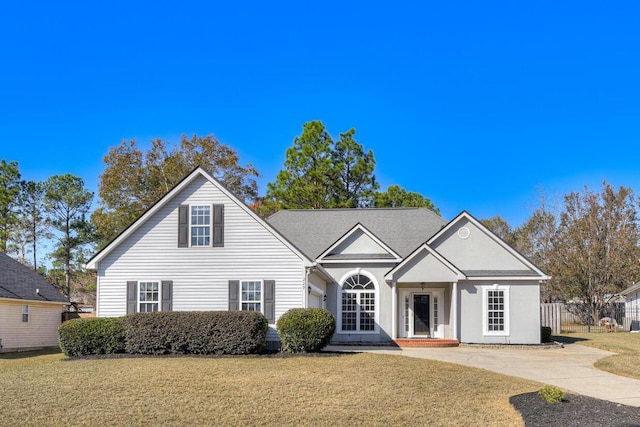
(394, 310)
(454, 304)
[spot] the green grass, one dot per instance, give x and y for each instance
(626, 344)
(355, 389)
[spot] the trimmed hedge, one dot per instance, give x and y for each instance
(98, 335)
(545, 334)
(305, 330)
(205, 332)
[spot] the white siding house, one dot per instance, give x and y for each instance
(228, 249)
(385, 274)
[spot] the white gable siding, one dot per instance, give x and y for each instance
(40, 331)
(425, 267)
(359, 243)
(477, 252)
(200, 275)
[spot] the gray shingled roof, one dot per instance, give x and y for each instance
(314, 230)
(20, 282)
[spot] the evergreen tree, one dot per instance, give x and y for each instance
(9, 191)
(67, 204)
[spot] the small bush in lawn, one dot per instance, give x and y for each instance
(196, 332)
(551, 394)
(98, 335)
(545, 334)
(305, 330)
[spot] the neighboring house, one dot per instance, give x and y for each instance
(30, 308)
(632, 307)
(385, 274)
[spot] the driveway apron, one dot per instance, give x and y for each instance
(570, 368)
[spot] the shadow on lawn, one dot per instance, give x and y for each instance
(28, 354)
(567, 339)
(268, 355)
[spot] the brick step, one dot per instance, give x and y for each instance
(425, 342)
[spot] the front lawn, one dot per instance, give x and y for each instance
(626, 344)
(351, 389)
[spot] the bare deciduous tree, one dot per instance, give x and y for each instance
(595, 249)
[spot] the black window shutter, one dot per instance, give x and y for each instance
(270, 300)
(233, 294)
(167, 295)
(132, 297)
(183, 226)
(218, 225)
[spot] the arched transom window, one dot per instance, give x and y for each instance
(358, 304)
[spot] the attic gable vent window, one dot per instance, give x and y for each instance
(464, 233)
(201, 225)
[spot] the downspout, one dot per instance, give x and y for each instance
(305, 287)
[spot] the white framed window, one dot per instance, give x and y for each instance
(358, 304)
(148, 296)
(25, 312)
(495, 310)
(251, 295)
(200, 225)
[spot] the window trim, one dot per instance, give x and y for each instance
(340, 291)
(191, 225)
(138, 302)
(25, 313)
(485, 310)
(240, 300)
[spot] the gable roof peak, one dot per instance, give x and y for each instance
(198, 171)
(360, 227)
(492, 236)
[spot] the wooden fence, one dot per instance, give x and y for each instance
(551, 315)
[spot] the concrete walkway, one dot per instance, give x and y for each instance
(570, 368)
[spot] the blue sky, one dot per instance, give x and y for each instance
(476, 105)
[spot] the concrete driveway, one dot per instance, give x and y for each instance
(570, 368)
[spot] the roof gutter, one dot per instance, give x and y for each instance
(32, 301)
(315, 267)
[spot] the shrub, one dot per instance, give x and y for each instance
(545, 334)
(551, 394)
(98, 335)
(205, 332)
(304, 330)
